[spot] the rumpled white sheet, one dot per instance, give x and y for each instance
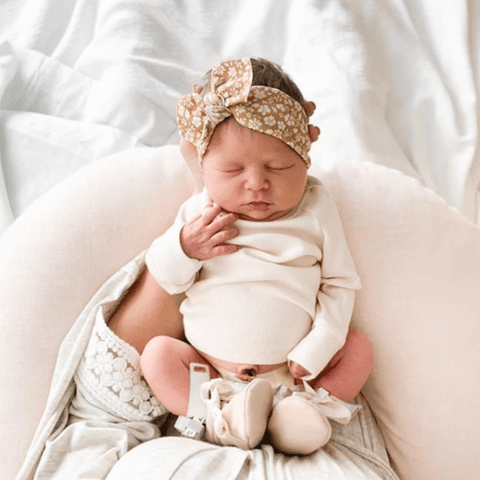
(395, 82)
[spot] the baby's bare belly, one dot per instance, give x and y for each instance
(241, 369)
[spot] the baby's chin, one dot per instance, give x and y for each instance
(254, 216)
(261, 218)
(248, 218)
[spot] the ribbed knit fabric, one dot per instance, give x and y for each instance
(288, 293)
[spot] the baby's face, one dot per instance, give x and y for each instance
(253, 174)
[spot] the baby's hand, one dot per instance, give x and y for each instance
(205, 236)
(297, 371)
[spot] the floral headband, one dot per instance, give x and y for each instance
(264, 109)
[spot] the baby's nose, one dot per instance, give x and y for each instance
(257, 181)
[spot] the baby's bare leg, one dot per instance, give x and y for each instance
(146, 312)
(165, 363)
(349, 369)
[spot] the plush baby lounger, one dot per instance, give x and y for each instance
(419, 261)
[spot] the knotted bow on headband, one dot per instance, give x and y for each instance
(264, 109)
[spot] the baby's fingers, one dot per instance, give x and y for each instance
(224, 235)
(216, 218)
(297, 370)
(224, 220)
(210, 214)
(224, 249)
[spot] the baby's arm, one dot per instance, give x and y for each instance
(148, 310)
(335, 298)
(175, 257)
(347, 372)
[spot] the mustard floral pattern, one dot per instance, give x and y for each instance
(264, 109)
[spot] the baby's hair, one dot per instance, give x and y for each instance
(270, 74)
(267, 74)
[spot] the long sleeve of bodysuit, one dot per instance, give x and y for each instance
(167, 261)
(335, 298)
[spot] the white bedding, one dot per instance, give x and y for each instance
(395, 82)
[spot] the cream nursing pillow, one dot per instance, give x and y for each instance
(57, 255)
(418, 259)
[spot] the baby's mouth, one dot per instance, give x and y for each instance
(260, 206)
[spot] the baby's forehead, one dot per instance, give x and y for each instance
(230, 131)
(231, 141)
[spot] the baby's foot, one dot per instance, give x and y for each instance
(237, 419)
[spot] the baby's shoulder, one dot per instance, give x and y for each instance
(194, 205)
(317, 197)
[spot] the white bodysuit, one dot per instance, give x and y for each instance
(286, 294)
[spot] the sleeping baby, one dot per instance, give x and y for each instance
(268, 276)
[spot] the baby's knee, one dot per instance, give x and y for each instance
(157, 351)
(358, 343)
(356, 336)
